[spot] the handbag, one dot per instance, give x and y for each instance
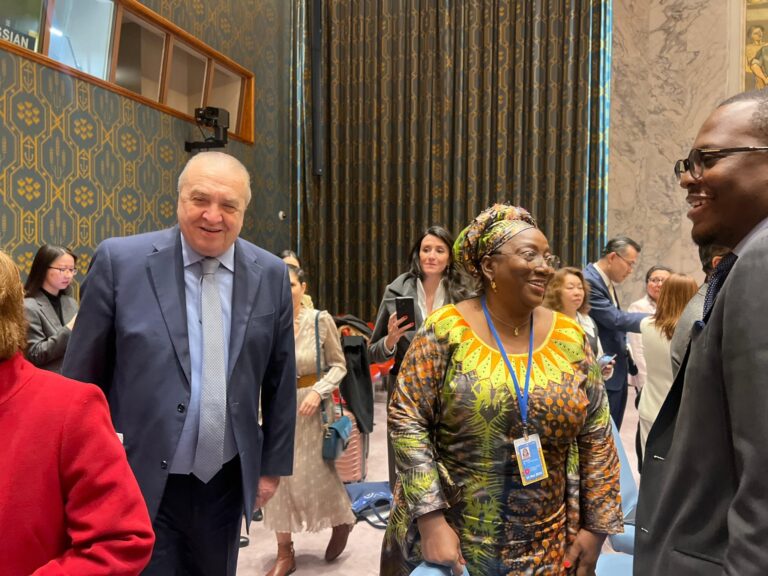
(371, 501)
(335, 435)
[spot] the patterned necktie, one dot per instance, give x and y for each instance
(717, 281)
(209, 455)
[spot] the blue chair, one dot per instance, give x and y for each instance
(614, 565)
(625, 542)
(427, 569)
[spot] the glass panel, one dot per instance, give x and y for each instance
(140, 57)
(81, 35)
(20, 22)
(187, 79)
(225, 93)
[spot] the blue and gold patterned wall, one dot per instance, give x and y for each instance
(79, 163)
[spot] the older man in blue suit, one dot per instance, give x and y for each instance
(617, 261)
(188, 330)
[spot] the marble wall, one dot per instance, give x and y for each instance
(673, 61)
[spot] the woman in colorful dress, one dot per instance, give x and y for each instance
(500, 424)
(313, 498)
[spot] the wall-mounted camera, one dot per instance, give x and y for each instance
(210, 117)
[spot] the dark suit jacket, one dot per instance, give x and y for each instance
(612, 325)
(47, 337)
(703, 506)
(131, 340)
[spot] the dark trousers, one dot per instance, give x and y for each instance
(617, 402)
(197, 527)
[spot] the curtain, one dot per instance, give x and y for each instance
(431, 111)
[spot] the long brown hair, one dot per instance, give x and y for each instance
(13, 324)
(553, 298)
(676, 292)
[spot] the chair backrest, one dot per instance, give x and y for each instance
(627, 479)
(427, 569)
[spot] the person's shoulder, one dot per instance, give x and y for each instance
(51, 388)
(135, 241)
(405, 283)
(262, 257)
(560, 320)
(30, 303)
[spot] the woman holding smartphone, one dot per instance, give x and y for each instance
(432, 281)
(568, 293)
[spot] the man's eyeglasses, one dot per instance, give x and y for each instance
(64, 270)
(697, 159)
(656, 281)
(628, 262)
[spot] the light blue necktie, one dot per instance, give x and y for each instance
(209, 456)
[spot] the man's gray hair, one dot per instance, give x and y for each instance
(218, 157)
(619, 245)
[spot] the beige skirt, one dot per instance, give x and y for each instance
(314, 498)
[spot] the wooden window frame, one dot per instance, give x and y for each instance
(243, 132)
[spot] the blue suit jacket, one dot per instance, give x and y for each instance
(131, 340)
(612, 325)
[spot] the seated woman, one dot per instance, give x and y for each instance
(657, 332)
(313, 498)
(500, 423)
(568, 292)
(49, 306)
(69, 503)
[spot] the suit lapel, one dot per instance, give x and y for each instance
(47, 310)
(167, 270)
(244, 290)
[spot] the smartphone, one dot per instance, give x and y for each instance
(404, 306)
(605, 359)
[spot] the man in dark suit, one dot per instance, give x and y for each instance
(703, 506)
(616, 263)
(187, 330)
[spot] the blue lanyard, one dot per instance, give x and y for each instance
(522, 399)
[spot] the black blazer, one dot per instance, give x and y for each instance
(703, 505)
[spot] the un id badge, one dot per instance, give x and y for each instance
(530, 459)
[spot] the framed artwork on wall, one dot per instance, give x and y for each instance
(755, 60)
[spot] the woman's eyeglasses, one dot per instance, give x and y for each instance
(694, 164)
(534, 259)
(64, 270)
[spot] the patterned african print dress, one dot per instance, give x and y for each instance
(453, 419)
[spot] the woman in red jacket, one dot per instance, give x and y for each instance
(69, 503)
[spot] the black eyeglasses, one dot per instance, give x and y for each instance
(694, 164)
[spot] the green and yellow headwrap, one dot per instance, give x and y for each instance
(488, 232)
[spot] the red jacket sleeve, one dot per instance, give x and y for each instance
(106, 517)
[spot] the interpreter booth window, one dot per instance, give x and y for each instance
(187, 79)
(20, 22)
(226, 91)
(81, 35)
(140, 53)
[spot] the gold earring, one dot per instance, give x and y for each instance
(493, 286)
